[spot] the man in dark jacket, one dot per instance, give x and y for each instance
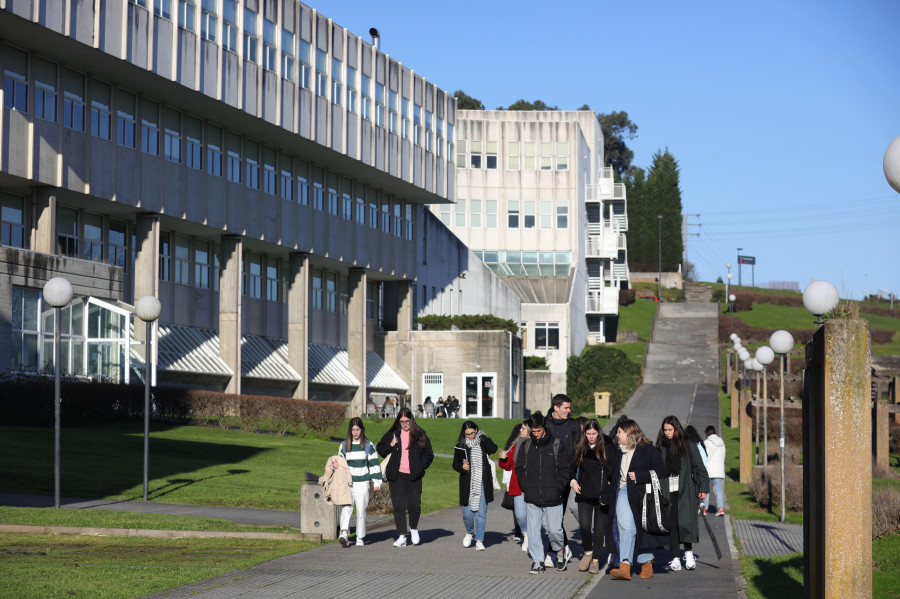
(565, 428)
(542, 468)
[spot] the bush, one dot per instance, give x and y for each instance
(885, 512)
(626, 297)
(766, 488)
(718, 295)
(894, 438)
(743, 300)
(468, 322)
(536, 363)
(601, 368)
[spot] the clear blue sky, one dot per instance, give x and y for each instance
(779, 113)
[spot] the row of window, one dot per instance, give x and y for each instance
(525, 214)
(546, 335)
(526, 263)
(520, 155)
(333, 79)
(330, 292)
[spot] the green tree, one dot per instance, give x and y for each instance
(616, 128)
(525, 105)
(663, 197)
(466, 102)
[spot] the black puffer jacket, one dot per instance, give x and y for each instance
(487, 447)
(592, 476)
(543, 471)
(420, 457)
(567, 431)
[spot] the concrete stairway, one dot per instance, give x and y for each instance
(696, 292)
(684, 345)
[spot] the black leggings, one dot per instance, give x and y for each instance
(674, 535)
(406, 495)
(592, 521)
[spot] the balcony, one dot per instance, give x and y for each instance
(602, 301)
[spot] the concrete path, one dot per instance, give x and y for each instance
(767, 539)
(684, 346)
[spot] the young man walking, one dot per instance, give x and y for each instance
(542, 467)
(562, 426)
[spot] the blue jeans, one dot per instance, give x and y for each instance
(627, 529)
(718, 486)
(474, 521)
(551, 518)
(520, 512)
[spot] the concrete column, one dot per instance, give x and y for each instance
(735, 399)
(231, 262)
(746, 441)
(880, 435)
(146, 266)
(298, 320)
(728, 368)
(404, 310)
(895, 396)
(43, 210)
(837, 462)
(356, 338)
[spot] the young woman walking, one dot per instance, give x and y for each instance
(688, 484)
(590, 480)
(519, 433)
(410, 455)
(476, 490)
(631, 465)
(362, 460)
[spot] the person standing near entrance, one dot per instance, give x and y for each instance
(563, 427)
(410, 454)
(542, 468)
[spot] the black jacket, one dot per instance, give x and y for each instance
(420, 458)
(487, 447)
(592, 476)
(543, 472)
(567, 431)
(645, 458)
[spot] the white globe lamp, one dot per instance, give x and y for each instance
(892, 164)
(820, 297)
(765, 355)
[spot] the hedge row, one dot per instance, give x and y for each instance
(744, 300)
(468, 322)
(28, 401)
(750, 334)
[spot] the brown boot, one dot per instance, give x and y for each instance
(594, 567)
(647, 569)
(585, 562)
(623, 572)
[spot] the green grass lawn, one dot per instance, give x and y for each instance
(638, 317)
(118, 568)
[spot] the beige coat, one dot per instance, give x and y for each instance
(337, 482)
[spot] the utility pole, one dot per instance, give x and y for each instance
(685, 233)
(739, 266)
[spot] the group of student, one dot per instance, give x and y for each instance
(551, 463)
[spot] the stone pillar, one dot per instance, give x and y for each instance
(231, 262)
(735, 399)
(404, 310)
(728, 372)
(43, 210)
(298, 320)
(746, 442)
(837, 462)
(880, 435)
(146, 267)
(895, 395)
(356, 338)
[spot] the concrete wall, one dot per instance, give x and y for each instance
(670, 280)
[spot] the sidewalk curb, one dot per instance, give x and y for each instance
(157, 534)
(739, 581)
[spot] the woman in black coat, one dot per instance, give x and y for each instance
(590, 480)
(476, 489)
(687, 486)
(631, 466)
(410, 455)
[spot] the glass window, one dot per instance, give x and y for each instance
(562, 214)
(562, 156)
(347, 206)
(445, 215)
(125, 122)
(208, 20)
(272, 279)
(318, 196)
(12, 220)
(528, 214)
(512, 209)
(302, 191)
(332, 201)
(201, 264)
(546, 335)
(250, 35)
(165, 256)
(150, 127)
(417, 124)
(373, 215)
(529, 153)
(269, 158)
(475, 154)
(461, 154)
(512, 155)
(331, 292)
(303, 57)
(336, 91)
(252, 281)
(316, 297)
(182, 260)
(360, 211)
(101, 116)
(351, 89)
(366, 101)
(385, 217)
(287, 54)
(287, 183)
(410, 220)
(92, 246)
(546, 156)
(214, 150)
(186, 11)
(229, 25)
(117, 248)
(233, 157)
(162, 8)
(404, 117)
(490, 214)
(379, 104)
(268, 56)
(45, 90)
(546, 214)
(321, 73)
(194, 128)
(392, 111)
(15, 79)
(475, 214)
(491, 155)
(460, 213)
(73, 100)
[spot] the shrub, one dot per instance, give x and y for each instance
(743, 300)
(894, 438)
(536, 363)
(601, 368)
(467, 322)
(885, 512)
(626, 297)
(766, 487)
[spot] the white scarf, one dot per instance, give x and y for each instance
(475, 471)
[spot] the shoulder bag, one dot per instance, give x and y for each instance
(655, 512)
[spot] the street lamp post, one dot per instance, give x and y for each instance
(58, 292)
(659, 272)
(765, 356)
(739, 266)
(819, 298)
(781, 343)
(147, 309)
(731, 299)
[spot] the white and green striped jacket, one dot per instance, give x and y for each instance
(364, 464)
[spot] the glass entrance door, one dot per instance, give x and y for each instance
(479, 388)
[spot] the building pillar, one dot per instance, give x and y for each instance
(880, 436)
(728, 368)
(837, 461)
(231, 261)
(895, 396)
(43, 209)
(404, 310)
(298, 320)
(146, 266)
(746, 442)
(356, 338)
(735, 400)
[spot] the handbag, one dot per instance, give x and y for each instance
(508, 501)
(655, 512)
(384, 465)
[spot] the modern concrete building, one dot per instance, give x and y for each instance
(536, 204)
(257, 167)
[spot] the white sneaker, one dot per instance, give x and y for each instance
(400, 542)
(467, 540)
(568, 553)
(524, 541)
(344, 539)
(479, 546)
(674, 565)
(689, 562)
(414, 536)
(548, 561)
(359, 542)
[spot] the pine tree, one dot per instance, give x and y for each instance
(663, 197)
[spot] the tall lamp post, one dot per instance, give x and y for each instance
(781, 343)
(147, 309)
(731, 299)
(739, 266)
(659, 272)
(58, 292)
(757, 368)
(765, 356)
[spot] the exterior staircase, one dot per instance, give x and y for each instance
(684, 345)
(697, 292)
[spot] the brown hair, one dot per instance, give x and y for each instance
(582, 446)
(414, 429)
(356, 421)
(635, 436)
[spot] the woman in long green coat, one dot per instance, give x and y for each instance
(687, 485)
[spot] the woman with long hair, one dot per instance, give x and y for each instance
(590, 480)
(410, 454)
(520, 432)
(691, 434)
(688, 484)
(630, 467)
(476, 489)
(362, 460)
